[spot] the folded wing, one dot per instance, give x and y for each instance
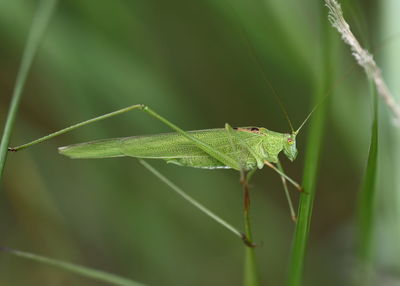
(172, 147)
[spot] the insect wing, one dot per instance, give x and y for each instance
(95, 149)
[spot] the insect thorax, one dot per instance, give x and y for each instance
(272, 145)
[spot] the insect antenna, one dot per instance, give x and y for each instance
(309, 115)
(329, 92)
(257, 61)
(277, 98)
(269, 84)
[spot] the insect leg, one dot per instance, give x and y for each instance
(73, 127)
(244, 181)
(235, 149)
(245, 145)
(223, 158)
(294, 183)
(285, 187)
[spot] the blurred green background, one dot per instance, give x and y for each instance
(191, 62)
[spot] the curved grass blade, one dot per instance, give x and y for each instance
(366, 202)
(39, 24)
(74, 268)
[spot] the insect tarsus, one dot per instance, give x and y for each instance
(247, 241)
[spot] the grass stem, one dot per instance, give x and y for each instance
(306, 200)
(362, 57)
(250, 265)
(38, 27)
(313, 150)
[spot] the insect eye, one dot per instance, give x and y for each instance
(290, 141)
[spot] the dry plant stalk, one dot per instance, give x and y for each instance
(362, 56)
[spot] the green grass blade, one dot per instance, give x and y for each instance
(39, 24)
(366, 202)
(77, 269)
(307, 198)
(313, 149)
(191, 200)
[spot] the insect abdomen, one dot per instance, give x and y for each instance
(172, 147)
(96, 149)
(177, 149)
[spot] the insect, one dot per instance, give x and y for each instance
(244, 149)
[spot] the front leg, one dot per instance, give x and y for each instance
(294, 183)
(285, 188)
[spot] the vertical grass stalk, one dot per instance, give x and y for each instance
(38, 27)
(307, 198)
(314, 142)
(250, 264)
(366, 204)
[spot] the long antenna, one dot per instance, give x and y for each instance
(256, 59)
(325, 97)
(309, 115)
(277, 98)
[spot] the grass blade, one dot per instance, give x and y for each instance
(77, 269)
(307, 198)
(314, 142)
(38, 27)
(366, 202)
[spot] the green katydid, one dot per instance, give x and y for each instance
(244, 149)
